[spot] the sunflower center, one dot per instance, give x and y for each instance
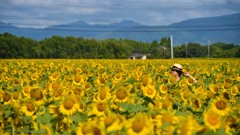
(15, 95)
(166, 104)
(37, 94)
(68, 104)
(77, 79)
(102, 94)
(55, 86)
(30, 107)
(137, 126)
(145, 81)
(118, 76)
(185, 95)
(56, 93)
(164, 88)
(54, 75)
(26, 90)
(215, 89)
(96, 130)
(101, 107)
(226, 96)
(102, 81)
(213, 120)
(149, 91)
(196, 103)
(221, 105)
(108, 121)
(87, 86)
(16, 81)
(227, 86)
(121, 94)
(6, 97)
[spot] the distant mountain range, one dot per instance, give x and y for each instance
(201, 30)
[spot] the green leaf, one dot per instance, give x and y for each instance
(131, 80)
(46, 118)
(78, 117)
(7, 113)
(38, 132)
(221, 131)
(131, 107)
(43, 83)
(238, 100)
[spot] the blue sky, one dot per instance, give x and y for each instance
(44, 13)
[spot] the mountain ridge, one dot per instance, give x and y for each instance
(224, 28)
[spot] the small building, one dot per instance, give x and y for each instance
(138, 56)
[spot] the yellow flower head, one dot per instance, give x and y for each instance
(163, 88)
(212, 120)
(221, 106)
(68, 106)
(139, 125)
(149, 91)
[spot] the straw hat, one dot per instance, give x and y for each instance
(177, 67)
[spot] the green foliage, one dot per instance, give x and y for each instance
(12, 46)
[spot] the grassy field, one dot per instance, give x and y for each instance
(93, 97)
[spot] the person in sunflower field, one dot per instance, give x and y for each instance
(177, 72)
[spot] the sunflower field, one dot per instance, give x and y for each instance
(123, 97)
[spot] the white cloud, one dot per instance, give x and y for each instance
(152, 12)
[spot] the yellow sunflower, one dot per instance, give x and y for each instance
(172, 80)
(169, 117)
(37, 94)
(29, 108)
(78, 80)
(163, 88)
(6, 97)
(228, 80)
(79, 71)
(195, 103)
(185, 94)
(86, 86)
(146, 80)
(103, 94)
(221, 106)
(121, 94)
(212, 120)
(167, 102)
(190, 81)
(214, 88)
(47, 129)
(187, 126)
(100, 108)
(234, 90)
(113, 122)
(54, 76)
(226, 85)
(149, 91)
(139, 125)
(16, 96)
(89, 128)
(99, 82)
(68, 106)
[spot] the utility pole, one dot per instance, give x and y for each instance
(186, 48)
(171, 46)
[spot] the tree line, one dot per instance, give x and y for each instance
(12, 46)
